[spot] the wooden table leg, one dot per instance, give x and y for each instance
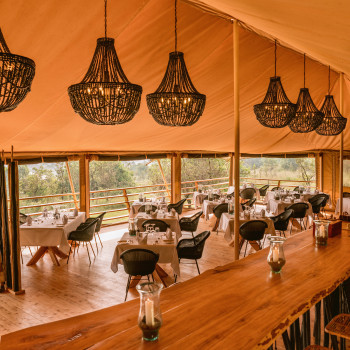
(59, 253)
(53, 257)
(161, 274)
(36, 257)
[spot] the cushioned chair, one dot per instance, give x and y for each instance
(263, 190)
(162, 225)
(281, 221)
(276, 189)
(192, 248)
(84, 234)
(253, 230)
(98, 227)
(248, 193)
(190, 224)
(218, 210)
(177, 206)
(299, 212)
(248, 204)
(138, 262)
(142, 209)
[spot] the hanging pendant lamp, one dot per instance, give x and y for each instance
(333, 122)
(275, 111)
(16, 76)
(105, 96)
(307, 117)
(176, 102)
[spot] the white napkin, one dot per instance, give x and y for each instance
(169, 233)
(76, 212)
(64, 219)
(263, 213)
(29, 220)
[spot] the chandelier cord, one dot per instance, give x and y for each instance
(304, 71)
(329, 80)
(275, 57)
(105, 18)
(175, 25)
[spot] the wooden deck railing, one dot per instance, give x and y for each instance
(116, 202)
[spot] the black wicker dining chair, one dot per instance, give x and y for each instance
(318, 202)
(142, 209)
(177, 206)
(83, 234)
(192, 248)
(98, 227)
(190, 224)
(253, 230)
(299, 212)
(263, 190)
(296, 189)
(215, 196)
(22, 218)
(162, 225)
(248, 204)
(138, 262)
(281, 221)
(276, 189)
(218, 211)
(248, 193)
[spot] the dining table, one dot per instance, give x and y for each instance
(346, 206)
(50, 235)
(157, 243)
(134, 208)
(208, 207)
(171, 220)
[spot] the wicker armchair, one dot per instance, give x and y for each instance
(177, 206)
(299, 212)
(248, 193)
(253, 230)
(190, 224)
(281, 221)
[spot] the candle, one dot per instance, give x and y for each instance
(275, 254)
(322, 231)
(149, 312)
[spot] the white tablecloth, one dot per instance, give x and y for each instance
(304, 196)
(231, 189)
(227, 223)
(198, 198)
(277, 207)
(134, 209)
(208, 206)
(47, 234)
(346, 206)
(173, 222)
(167, 252)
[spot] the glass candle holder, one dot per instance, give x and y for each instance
(132, 227)
(321, 232)
(150, 316)
(276, 258)
(231, 207)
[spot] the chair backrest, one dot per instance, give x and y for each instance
(190, 223)
(299, 210)
(219, 209)
(346, 194)
(296, 188)
(215, 196)
(275, 189)
(199, 241)
(139, 262)
(177, 206)
(192, 248)
(248, 193)
(22, 218)
(99, 222)
(87, 231)
(162, 225)
(253, 230)
(142, 209)
(248, 203)
(263, 190)
(281, 221)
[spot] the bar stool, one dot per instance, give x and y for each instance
(340, 327)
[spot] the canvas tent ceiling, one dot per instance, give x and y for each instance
(61, 37)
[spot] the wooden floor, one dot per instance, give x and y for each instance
(53, 293)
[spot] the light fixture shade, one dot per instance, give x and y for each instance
(307, 117)
(105, 96)
(16, 76)
(176, 102)
(275, 111)
(333, 122)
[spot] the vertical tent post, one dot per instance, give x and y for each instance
(72, 186)
(231, 170)
(176, 177)
(236, 131)
(84, 182)
(164, 178)
(341, 110)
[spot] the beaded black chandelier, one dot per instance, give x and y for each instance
(16, 76)
(176, 102)
(333, 122)
(275, 111)
(105, 96)
(307, 117)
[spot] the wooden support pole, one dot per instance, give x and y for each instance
(84, 177)
(164, 179)
(231, 170)
(126, 198)
(341, 110)
(176, 178)
(236, 132)
(72, 186)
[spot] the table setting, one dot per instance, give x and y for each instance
(159, 203)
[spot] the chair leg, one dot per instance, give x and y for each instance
(127, 287)
(98, 235)
(87, 248)
(291, 227)
(241, 245)
(197, 267)
(30, 251)
(246, 246)
(92, 249)
(70, 250)
(96, 242)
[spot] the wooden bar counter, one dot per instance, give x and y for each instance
(239, 306)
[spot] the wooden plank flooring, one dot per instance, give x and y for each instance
(56, 292)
